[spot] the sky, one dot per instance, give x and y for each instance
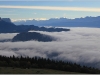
(46, 9)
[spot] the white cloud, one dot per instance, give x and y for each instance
(80, 45)
(14, 20)
(86, 9)
(40, 19)
(5, 36)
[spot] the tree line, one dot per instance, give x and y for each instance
(44, 63)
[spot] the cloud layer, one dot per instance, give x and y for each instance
(7, 36)
(80, 45)
(86, 9)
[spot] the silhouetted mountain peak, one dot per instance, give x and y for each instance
(6, 19)
(9, 27)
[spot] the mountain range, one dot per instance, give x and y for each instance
(77, 22)
(6, 26)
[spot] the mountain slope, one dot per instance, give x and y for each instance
(7, 27)
(26, 36)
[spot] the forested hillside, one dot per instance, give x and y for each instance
(43, 63)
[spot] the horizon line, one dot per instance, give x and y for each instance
(37, 19)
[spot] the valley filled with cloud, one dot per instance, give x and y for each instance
(80, 45)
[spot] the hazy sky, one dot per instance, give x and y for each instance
(45, 9)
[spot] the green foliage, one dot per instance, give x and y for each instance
(10, 70)
(43, 63)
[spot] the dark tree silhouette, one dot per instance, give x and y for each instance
(37, 62)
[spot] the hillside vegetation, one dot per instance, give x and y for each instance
(43, 63)
(10, 70)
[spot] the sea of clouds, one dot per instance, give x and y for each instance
(80, 45)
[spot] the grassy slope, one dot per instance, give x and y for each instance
(9, 70)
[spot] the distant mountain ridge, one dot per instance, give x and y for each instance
(77, 22)
(9, 27)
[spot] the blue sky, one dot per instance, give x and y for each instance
(45, 9)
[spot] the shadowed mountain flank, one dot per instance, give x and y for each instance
(26, 36)
(7, 27)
